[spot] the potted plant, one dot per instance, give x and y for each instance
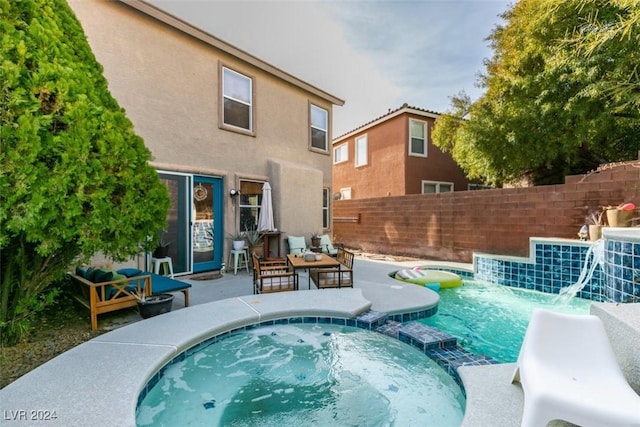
(595, 223)
(152, 305)
(237, 241)
(621, 215)
(254, 238)
(315, 240)
(162, 250)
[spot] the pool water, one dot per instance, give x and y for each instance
(304, 374)
(490, 319)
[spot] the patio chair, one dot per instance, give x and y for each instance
(327, 245)
(272, 277)
(568, 371)
(335, 277)
(296, 244)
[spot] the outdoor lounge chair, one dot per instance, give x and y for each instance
(568, 372)
(103, 290)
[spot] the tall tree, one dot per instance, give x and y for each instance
(548, 109)
(74, 177)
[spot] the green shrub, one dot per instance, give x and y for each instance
(74, 177)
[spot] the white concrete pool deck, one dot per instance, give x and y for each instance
(97, 383)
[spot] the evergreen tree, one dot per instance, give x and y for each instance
(74, 178)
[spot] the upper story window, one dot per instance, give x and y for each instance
(319, 128)
(361, 151)
(237, 100)
(417, 138)
(341, 153)
(430, 187)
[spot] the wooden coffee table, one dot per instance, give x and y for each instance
(298, 262)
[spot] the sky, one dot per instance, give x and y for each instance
(375, 55)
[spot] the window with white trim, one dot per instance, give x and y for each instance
(341, 153)
(319, 128)
(326, 198)
(430, 187)
(237, 100)
(417, 138)
(361, 151)
(345, 193)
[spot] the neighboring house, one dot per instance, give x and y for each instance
(393, 155)
(217, 121)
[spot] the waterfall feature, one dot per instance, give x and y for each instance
(596, 255)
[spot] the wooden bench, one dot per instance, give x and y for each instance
(120, 289)
(341, 277)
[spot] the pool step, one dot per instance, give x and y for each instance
(439, 346)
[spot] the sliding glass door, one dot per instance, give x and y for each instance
(194, 222)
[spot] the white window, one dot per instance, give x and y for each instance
(326, 194)
(341, 153)
(430, 187)
(319, 128)
(345, 193)
(361, 151)
(417, 138)
(237, 100)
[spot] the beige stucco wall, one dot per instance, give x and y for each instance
(168, 82)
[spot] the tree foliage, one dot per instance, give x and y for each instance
(561, 94)
(74, 178)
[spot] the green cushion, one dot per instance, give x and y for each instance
(103, 275)
(327, 246)
(296, 244)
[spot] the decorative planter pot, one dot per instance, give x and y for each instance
(154, 305)
(619, 218)
(595, 232)
(161, 252)
(315, 242)
(258, 250)
(238, 245)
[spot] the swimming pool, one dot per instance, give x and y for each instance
(311, 374)
(490, 319)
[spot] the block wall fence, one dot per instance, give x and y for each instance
(452, 226)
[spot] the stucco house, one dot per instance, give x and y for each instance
(393, 155)
(219, 123)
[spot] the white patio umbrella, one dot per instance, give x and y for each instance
(265, 221)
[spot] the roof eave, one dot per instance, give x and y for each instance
(183, 26)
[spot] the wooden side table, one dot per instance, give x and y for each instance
(268, 237)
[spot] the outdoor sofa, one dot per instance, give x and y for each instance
(103, 290)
